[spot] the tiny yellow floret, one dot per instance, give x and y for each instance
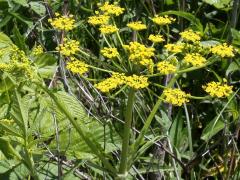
(108, 29)
(98, 20)
(174, 48)
(223, 50)
(190, 35)
(76, 66)
(195, 59)
(217, 89)
(156, 38)
(175, 97)
(163, 20)
(111, 9)
(137, 26)
(69, 47)
(38, 50)
(65, 23)
(109, 52)
(166, 67)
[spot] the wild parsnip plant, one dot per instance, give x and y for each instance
(118, 90)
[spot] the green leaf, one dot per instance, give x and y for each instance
(211, 129)
(21, 2)
(235, 36)
(195, 21)
(220, 4)
(5, 41)
(38, 8)
(234, 66)
(7, 148)
(19, 39)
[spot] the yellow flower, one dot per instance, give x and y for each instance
(156, 38)
(217, 89)
(223, 50)
(62, 22)
(137, 82)
(109, 52)
(176, 97)
(166, 67)
(163, 20)
(76, 66)
(195, 59)
(190, 35)
(108, 29)
(98, 20)
(69, 47)
(174, 48)
(137, 26)
(37, 50)
(111, 83)
(140, 54)
(111, 9)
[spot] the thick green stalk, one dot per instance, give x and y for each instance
(151, 116)
(126, 135)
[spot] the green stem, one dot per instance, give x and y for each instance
(126, 135)
(31, 165)
(151, 116)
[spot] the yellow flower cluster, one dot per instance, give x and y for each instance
(163, 20)
(195, 59)
(117, 79)
(216, 89)
(223, 50)
(111, 9)
(7, 121)
(166, 67)
(69, 47)
(140, 54)
(98, 20)
(65, 23)
(18, 63)
(156, 38)
(137, 26)
(113, 82)
(176, 97)
(136, 82)
(190, 35)
(108, 29)
(174, 48)
(37, 50)
(109, 52)
(76, 66)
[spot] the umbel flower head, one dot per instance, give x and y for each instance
(175, 97)
(118, 79)
(163, 20)
(76, 66)
(195, 59)
(38, 50)
(98, 19)
(108, 29)
(137, 26)
(111, 9)
(223, 50)
(174, 48)
(156, 38)
(217, 89)
(109, 52)
(65, 23)
(190, 35)
(166, 67)
(69, 47)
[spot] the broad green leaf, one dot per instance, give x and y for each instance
(212, 129)
(7, 148)
(193, 19)
(21, 2)
(234, 66)
(5, 41)
(220, 4)
(235, 36)
(38, 8)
